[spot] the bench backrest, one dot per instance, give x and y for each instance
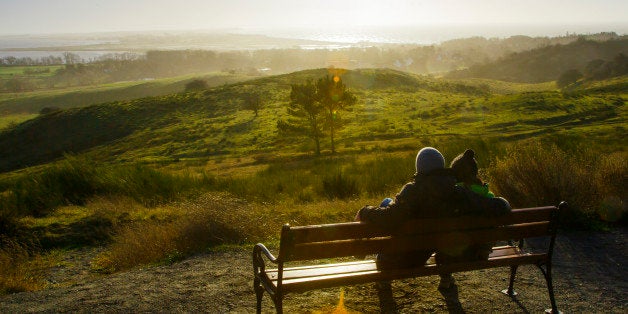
(359, 238)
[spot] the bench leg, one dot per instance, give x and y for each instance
(278, 304)
(510, 291)
(259, 293)
(550, 288)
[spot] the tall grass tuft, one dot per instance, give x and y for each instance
(611, 176)
(18, 272)
(534, 174)
(381, 175)
(74, 180)
(146, 185)
(340, 186)
(69, 181)
(200, 223)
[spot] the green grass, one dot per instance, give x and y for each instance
(33, 102)
(11, 120)
(74, 180)
(501, 87)
(28, 71)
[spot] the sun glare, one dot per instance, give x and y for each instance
(340, 308)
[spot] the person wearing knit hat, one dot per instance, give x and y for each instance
(465, 169)
(429, 159)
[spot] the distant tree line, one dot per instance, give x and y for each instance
(508, 59)
(547, 63)
(65, 58)
(597, 69)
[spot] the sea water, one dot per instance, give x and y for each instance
(432, 34)
(323, 37)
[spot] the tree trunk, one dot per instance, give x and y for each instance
(331, 131)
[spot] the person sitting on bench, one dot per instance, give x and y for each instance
(434, 186)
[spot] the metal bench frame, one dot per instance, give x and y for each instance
(316, 242)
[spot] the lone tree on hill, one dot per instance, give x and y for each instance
(305, 112)
(332, 94)
(252, 101)
(314, 107)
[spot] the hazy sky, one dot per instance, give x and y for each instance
(70, 16)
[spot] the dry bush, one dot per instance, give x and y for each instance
(136, 245)
(535, 174)
(611, 176)
(19, 271)
(212, 219)
(207, 221)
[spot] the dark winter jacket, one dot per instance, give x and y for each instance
(433, 195)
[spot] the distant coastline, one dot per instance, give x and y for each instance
(93, 46)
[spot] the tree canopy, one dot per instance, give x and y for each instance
(304, 111)
(333, 96)
(315, 108)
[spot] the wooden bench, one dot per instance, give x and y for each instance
(316, 242)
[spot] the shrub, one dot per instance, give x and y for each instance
(18, 269)
(533, 174)
(146, 185)
(339, 186)
(568, 77)
(204, 222)
(382, 174)
(196, 85)
(611, 178)
(74, 180)
(49, 110)
(67, 182)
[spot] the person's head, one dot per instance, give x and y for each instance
(465, 168)
(429, 159)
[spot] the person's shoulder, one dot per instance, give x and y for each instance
(444, 172)
(410, 186)
(441, 178)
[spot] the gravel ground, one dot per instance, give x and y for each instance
(589, 277)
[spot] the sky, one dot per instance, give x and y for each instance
(86, 16)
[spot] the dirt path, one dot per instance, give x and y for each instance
(589, 277)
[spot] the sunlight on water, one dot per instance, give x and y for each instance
(427, 34)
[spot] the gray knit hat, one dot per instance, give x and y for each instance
(429, 159)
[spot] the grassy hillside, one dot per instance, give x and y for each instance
(391, 105)
(33, 102)
(546, 63)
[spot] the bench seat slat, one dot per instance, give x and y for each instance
(329, 275)
(310, 270)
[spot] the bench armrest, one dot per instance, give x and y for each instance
(259, 266)
(260, 248)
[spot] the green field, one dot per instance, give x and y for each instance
(33, 102)
(14, 119)
(28, 71)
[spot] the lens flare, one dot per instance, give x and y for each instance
(340, 308)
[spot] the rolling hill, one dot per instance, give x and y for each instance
(71, 97)
(391, 105)
(546, 63)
